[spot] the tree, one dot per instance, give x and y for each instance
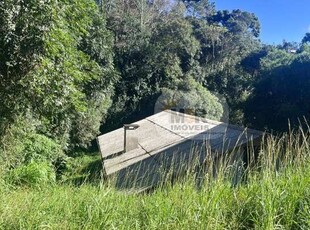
(238, 22)
(158, 45)
(57, 67)
(192, 98)
(22, 29)
(151, 59)
(306, 38)
(199, 8)
(281, 93)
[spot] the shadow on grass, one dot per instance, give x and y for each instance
(85, 172)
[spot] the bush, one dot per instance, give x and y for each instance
(21, 145)
(32, 174)
(41, 148)
(194, 99)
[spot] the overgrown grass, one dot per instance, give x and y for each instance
(276, 195)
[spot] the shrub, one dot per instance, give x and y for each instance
(22, 145)
(32, 174)
(40, 148)
(193, 98)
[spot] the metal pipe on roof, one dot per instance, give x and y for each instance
(128, 127)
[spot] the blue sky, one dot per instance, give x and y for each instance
(286, 19)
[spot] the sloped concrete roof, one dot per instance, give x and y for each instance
(169, 130)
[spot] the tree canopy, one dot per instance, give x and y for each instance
(70, 69)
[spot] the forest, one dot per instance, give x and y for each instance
(70, 70)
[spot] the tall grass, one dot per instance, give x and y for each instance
(275, 195)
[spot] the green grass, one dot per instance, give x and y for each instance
(275, 202)
(275, 196)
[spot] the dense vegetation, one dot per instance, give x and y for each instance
(270, 199)
(64, 64)
(72, 69)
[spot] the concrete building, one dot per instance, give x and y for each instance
(142, 154)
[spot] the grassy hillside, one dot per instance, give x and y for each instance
(275, 196)
(272, 202)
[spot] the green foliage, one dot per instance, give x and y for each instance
(168, 47)
(78, 86)
(193, 98)
(282, 92)
(68, 66)
(32, 174)
(74, 66)
(58, 65)
(173, 49)
(150, 58)
(270, 199)
(238, 22)
(23, 25)
(304, 48)
(40, 148)
(306, 38)
(200, 8)
(21, 145)
(276, 58)
(68, 82)
(83, 169)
